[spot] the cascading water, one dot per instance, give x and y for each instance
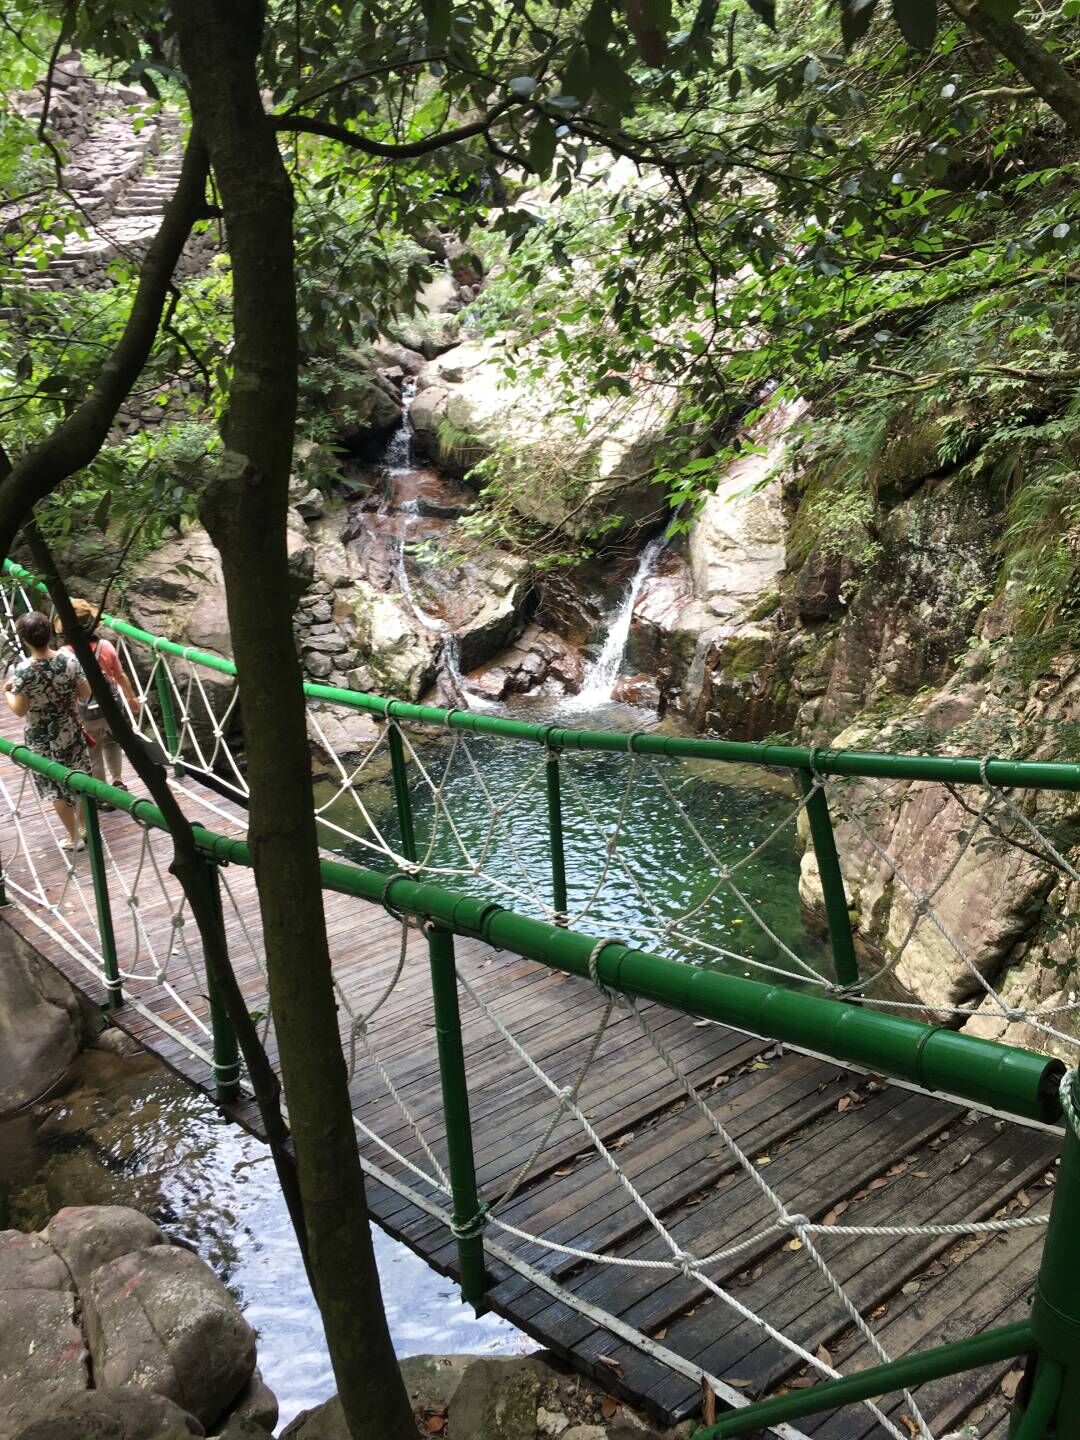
(397, 460)
(602, 675)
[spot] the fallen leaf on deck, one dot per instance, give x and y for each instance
(898, 1169)
(912, 1287)
(708, 1404)
(879, 1312)
(561, 1173)
(921, 1174)
(610, 1362)
(793, 1245)
(801, 1382)
(435, 1424)
(878, 1184)
(824, 1354)
(831, 1216)
(763, 1160)
(661, 1334)
(908, 1423)
(609, 1407)
(741, 1384)
(1024, 1198)
(1011, 1383)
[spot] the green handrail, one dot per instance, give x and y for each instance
(957, 770)
(984, 1072)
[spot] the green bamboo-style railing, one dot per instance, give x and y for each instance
(988, 1073)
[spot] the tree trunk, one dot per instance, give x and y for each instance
(1041, 69)
(244, 510)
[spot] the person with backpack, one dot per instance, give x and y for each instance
(106, 756)
(45, 688)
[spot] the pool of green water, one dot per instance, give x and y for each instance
(643, 841)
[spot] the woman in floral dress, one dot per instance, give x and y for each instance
(46, 688)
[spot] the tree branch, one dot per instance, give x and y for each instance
(409, 150)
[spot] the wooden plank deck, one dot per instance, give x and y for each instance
(831, 1142)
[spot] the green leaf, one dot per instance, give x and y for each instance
(101, 513)
(542, 143)
(855, 20)
(577, 78)
(764, 10)
(917, 20)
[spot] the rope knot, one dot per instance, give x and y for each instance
(686, 1263)
(724, 873)
(472, 1227)
(795, 1222)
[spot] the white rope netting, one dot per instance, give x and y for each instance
(189, 714)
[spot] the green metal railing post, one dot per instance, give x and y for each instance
(468, 1216)
(401, 791)
(226, 1050)
(168, 710)
(114, 995)
(555, 834)
(1055, 1313)
(845, 962)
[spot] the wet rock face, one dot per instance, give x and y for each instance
(162, 1348)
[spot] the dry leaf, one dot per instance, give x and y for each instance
(844, 1103)
(824, 1354)
(801, 1382)
(921, 1174)
(609, 1407)
(435, 1424)
(793, 1245)
(763, 1160)
(742, 1384)
(1024, 1198)
(708, 1404)
(908, 1423)
(878, 1184)
(899, 1169)
(661, 1334)
(879, 1312)
(610, 1362)
(912, 1287)
(562, 1173)
(1011, 1383)
(831, 1216)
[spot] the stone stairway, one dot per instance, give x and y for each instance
(122, 161)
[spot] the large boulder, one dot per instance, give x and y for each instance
(179, 593)
(86, 1237)
(160, 1319)
(593, 482)
(112, 1414)
(702, 626)
(41, 1025)
(42, 1352)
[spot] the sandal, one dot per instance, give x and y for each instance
(73, 847)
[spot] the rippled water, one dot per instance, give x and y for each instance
(674, 822)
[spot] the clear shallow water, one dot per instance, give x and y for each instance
(209, 1184)
(660, 871)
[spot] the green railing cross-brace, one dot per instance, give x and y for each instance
(983, 1072)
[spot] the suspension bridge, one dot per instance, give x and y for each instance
(684, 1162)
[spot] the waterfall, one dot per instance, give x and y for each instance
(397, 457)
(603, 673)
(397, 460)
